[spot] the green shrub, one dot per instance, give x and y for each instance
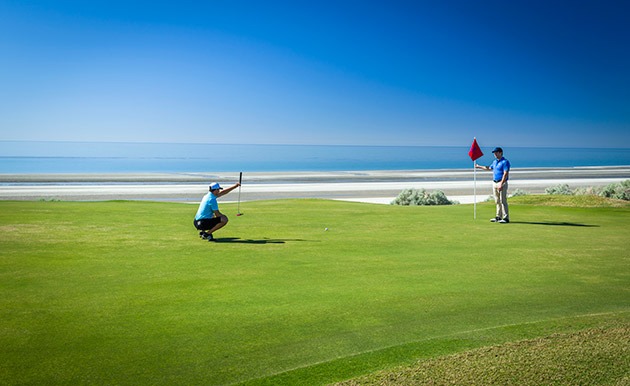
(519, 192)
(619, 191)
(588, 191)
(562, 189)
(421, 197)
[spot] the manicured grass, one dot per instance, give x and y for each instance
(126, 292)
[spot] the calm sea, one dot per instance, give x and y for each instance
(89, 157)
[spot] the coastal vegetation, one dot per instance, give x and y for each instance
(421, 197)
(125, 292)
(617, 191)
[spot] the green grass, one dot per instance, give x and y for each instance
(126, 292)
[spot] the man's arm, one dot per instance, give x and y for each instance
(228, 190)
(503, 179)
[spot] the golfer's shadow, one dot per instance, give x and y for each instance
(554, 223)
(250, 241)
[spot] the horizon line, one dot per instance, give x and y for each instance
(291, 144)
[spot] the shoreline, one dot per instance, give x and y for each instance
(373, 186)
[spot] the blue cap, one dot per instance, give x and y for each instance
(215, 186)
(496, 149)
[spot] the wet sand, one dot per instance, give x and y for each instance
(363, 186)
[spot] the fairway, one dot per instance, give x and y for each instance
(127, 293)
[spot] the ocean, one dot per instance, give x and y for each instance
(22, 157)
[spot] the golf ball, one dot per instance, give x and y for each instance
(325, 229)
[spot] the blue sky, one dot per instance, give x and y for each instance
(514, 73)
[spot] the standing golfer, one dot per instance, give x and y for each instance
(208, 218)
(501, 168)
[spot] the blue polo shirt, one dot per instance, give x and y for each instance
(499, 167)
(207, 207)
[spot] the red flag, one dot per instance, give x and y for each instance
(474, 152)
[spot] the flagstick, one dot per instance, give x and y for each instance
(474, 153)
(238, 208)
(475, 190)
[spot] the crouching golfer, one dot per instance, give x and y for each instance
(208, 218)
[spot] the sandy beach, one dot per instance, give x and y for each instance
(363, 186)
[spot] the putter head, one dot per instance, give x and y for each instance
(239, 214)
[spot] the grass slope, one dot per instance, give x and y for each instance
(126, 292)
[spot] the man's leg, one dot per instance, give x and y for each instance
(497, 201)
(199, 226)
(223, 222)
(205, 226)
(504, 203)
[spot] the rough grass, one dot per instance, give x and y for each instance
(581, 201)
(598, 356)
(126, 292)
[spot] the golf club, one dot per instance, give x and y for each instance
(238, 208)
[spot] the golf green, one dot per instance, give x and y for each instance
(127, 293)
